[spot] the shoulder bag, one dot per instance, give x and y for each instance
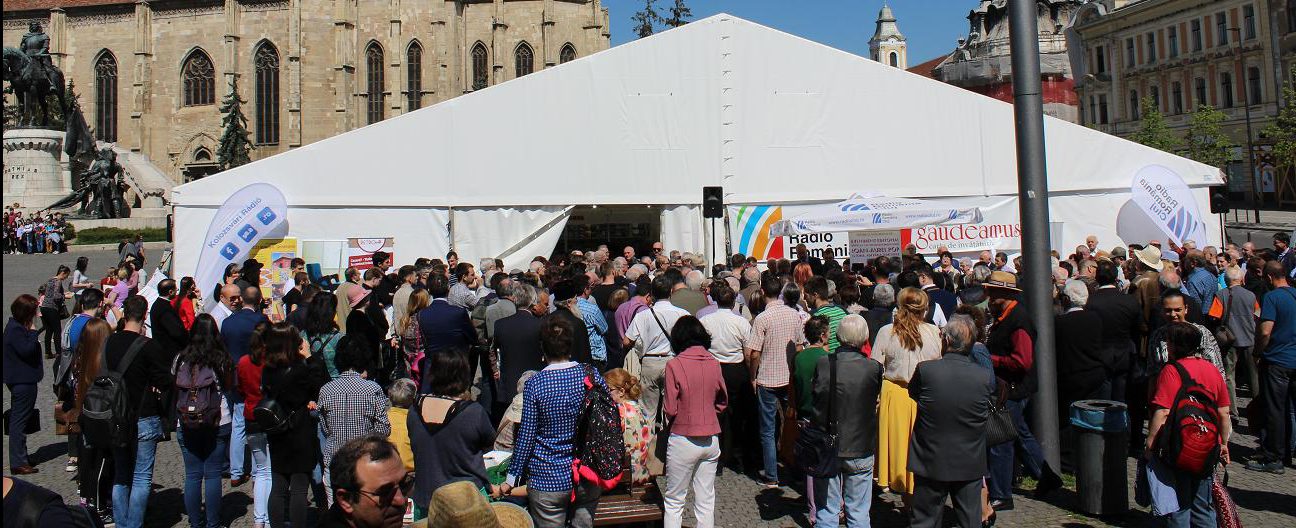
(270, 415)
(1000, 428)
(1223, 336)
(816, 447)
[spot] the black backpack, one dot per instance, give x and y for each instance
(107, 415)
(37, 499)
(599, 447)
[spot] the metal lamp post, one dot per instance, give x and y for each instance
(1246, 109)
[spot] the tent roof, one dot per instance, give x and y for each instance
(772, 117)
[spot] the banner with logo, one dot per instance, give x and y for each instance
(249, 215)
(360, 250)
(1165, 199)
(275, 256)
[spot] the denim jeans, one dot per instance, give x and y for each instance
(851, 489)
(1002, 457)
(261, 481)
(1196, 509)
(205, 453)
(134, 477)
(237, 441)
(769, 402)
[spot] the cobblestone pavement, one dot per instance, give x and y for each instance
(1264, 500)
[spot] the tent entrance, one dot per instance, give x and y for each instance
(617, 226)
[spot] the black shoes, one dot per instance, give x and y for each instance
(1266, 465)
(1001, 505)
(1048, 483)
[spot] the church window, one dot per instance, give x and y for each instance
(106, 97)
(480, 68)
(374, 82)
(893, 58)
(567, 54)
(524, 59)
(199, 79)
(414, 74)
(266, 61)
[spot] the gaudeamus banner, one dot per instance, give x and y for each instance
(249, 215)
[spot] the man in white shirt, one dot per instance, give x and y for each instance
(649, 336)
(729, 332)
(229, 302)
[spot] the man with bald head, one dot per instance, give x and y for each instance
(230, 301)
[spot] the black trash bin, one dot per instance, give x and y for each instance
(1101, 450)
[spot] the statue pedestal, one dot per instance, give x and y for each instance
(33, 175)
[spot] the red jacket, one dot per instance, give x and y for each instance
(249, 384)
(695, 393)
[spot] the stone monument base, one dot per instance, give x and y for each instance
(34, 176)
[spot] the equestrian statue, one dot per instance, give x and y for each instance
(33, 77)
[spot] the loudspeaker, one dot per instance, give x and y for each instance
(713, 202)
(1219, 199)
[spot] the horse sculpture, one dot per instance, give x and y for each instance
(32, 85)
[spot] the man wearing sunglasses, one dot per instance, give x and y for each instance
(370, 485)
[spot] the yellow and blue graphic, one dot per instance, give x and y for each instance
(751, 226)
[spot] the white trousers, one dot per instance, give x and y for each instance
(691, 460)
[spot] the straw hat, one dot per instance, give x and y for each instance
(461, 505)
(1002, 280)
(1150, 256)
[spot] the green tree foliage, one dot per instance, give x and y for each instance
(234, 145)
(1153, 130)
(1283, 130)
(646, 20)
(679, 14)
(1206, 141)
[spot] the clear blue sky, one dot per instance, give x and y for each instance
(932, 27)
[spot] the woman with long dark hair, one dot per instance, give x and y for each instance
(321, 331)
(205, 448)
(294, 384)
(184, 302)
(80, 280)
(94, 462)
(448, 431)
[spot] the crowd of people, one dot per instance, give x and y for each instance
(35, 233)
(377, 402)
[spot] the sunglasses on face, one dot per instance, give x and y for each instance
(385, 495)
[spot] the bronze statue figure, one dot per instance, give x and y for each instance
(101, 190)
(33, 76)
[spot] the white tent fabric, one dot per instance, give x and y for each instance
(874, 212)
(773, 118)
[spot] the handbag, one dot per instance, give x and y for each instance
(33, 422)
(816, 447)
(271, 416)
(1000, 427)
(1223, 336)
(1226, 514)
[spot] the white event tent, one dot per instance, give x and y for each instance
(773, 118)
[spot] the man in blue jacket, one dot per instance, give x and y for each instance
(236, 333)
(445, 326)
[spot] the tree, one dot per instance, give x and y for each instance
(679, 14)
(646, 19)
(1153, 131)
(234, 144)
(1283, 130)
(1205, 140)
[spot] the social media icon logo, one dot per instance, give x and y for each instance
(266, 216)
(247, 233)
(229, 251)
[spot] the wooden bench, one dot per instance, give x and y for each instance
(629, 504)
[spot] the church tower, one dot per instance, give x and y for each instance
(888, 45)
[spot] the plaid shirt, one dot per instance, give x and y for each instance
(351, 407)
(772, 330)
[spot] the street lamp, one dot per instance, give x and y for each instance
(1246, 107)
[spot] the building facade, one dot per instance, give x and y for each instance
(888, 44)
(1233, 55)
(982, 61)
(152, 73)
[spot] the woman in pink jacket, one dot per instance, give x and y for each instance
(695, 396)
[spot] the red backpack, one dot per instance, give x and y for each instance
(1190, 439)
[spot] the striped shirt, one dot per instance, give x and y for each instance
(351, 407)
(834, 314)
(772, 330)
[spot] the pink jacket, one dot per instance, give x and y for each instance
(695, 393)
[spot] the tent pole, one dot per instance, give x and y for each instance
(1032, 197)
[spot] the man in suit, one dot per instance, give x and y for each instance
(515, 348)
(938, 296)
(947, 451)
(445, 326)
(803, 255)
(168, 331)
(236, 334)
(1122, 324)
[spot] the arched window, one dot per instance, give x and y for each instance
(480, 68)
(374, 63)
(567, 54)
(894, 59)
(199, 78)
(266, 61)
(414, 76)
(524, 59)
(106, 97)
(202, 155)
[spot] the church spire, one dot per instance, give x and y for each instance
(888, 43)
